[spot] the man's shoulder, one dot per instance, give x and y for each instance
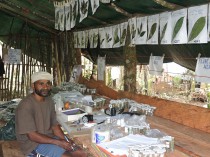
(27, 100)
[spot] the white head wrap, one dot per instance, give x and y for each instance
(42, 75)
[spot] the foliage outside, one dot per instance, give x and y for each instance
(175, 88)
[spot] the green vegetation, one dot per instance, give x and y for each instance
(176, 81)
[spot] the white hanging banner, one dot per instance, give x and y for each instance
(165, 28)
(84, 4)
(208, 23)
(81, 41)
(86, 38)
(76, 40)
(133, 31)
(197, 24)
(14, 56)
(57, 25)
(202, 70)
(95, 37)
(76, 72)
(79, 36)
(156, 65)
(105, 1)
(153, 26)
(123, 33)
(74, 12)
(109, 37)
(91, 33)
(67, 16)
(116, 36)
(94, 5)
(141, 26)
(106, 38)
(102, 37)
(179, 26)
(61, 18)
(101, 66)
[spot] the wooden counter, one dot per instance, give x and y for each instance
(189, 142)
(185, 146)
(94, 151)
(194, 142)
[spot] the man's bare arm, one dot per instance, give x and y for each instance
(43, 139)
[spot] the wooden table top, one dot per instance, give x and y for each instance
(94, 151)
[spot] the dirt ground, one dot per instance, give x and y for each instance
(169, 92)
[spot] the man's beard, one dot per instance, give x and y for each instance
(43, 92)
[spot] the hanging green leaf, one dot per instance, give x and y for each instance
(177, 27)
(75, 12)
(102, 41)
(142, 33)
(197, 28)
(123, 35)
(62, 18)
(140, 29)
(139, 32)
(90, 38)
(163, 32)
(152, 30)
(78, 42)
(95, 39)
(57, 17)
(68, 16)
(133, 31)
(82, 41)
(108, 37)
(116, 37)
(84, 7)
(94, 5)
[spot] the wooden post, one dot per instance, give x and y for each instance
(130, 62)
(57, 62)
(74, 55)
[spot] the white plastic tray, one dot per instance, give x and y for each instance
(72, 114)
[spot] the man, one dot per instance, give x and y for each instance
(37, 130)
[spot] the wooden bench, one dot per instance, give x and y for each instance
(11, 149)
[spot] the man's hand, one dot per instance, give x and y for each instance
(66, 145)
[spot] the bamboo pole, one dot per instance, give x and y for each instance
(55, 73)
(57, 62)
(18, 80)
(23, 76)
(11, 82)
(14, 83)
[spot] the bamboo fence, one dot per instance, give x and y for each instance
(54, 54)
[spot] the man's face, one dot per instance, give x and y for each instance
(42, 88)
